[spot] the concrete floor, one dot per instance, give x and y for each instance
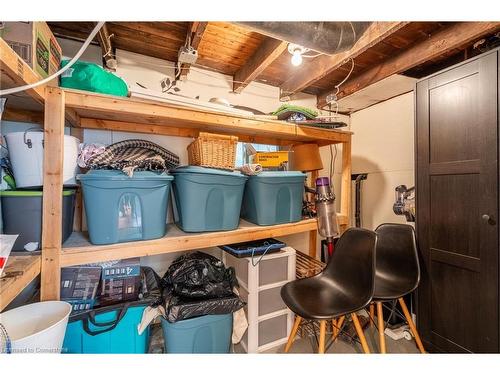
(301, 345)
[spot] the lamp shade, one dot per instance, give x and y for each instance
(305, 157)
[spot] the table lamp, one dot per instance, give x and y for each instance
(306, 158)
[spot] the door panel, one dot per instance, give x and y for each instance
(457, 183)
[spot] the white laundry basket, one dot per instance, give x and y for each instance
(36, 328)
(26, 157)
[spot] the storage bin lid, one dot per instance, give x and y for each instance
(279, 174)
(202, 170)
(114, 175)
(29, 193)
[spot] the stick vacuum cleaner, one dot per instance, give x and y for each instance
(328, 226)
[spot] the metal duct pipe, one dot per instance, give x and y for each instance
(325, 37)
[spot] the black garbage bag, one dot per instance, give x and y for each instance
(199, 275)
(180, 308)
(150, 286)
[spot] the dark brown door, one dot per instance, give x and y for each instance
(457, 207)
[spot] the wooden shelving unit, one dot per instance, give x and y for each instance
(78, 250)
(18, 273)
(83, 110)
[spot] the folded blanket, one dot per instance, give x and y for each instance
(286, 110)
(251, 169)
(132, 155)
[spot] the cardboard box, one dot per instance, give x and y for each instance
(121, 268)
(35, 44)
(119, 290)
(121, 281)
(79, 286)
(272, 159)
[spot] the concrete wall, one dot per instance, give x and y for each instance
(383, 147)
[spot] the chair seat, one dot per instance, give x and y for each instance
(318, 298)
(387, 289)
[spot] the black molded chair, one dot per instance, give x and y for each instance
(345, 286)
(397, 273)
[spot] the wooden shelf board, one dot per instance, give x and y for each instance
(146, 116)
(78, 250)
(27, 266)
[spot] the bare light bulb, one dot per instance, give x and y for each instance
(297, 57)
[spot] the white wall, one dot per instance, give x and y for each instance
(382, 146)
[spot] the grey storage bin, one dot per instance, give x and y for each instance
(273, 198)
(121, 208)
(207, 199)
(22, 215)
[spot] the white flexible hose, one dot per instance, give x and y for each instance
(62, 70)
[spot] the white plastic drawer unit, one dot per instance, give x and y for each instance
(269, 320)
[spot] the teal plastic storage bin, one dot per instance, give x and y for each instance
(204, 334)
(207, 199)
(121, 208)
(107, 330)
(273, 198)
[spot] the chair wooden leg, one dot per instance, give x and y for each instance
(372, 314)
(359, 331)
(381, 327)
(339, 323)
(412, 325)
(322, 336)
(295, 328)
(334, 327)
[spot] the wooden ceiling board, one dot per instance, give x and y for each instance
(227, 47)
(172, 31)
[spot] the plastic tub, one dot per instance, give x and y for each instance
(22, 214)
(26, 156)
(273, 198)
(204, 334)
(108, 330)
(121, 208)
(38, 327)
(207, 199)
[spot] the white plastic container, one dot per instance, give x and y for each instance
(26, 157)
(38, 327)
(269, 319)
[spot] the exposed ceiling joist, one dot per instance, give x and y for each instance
(195, 33)
(268, 51)
(323, 65)
(438, 44)
(104, 39)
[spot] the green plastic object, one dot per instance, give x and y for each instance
(10, 181)
(91, 77)
(207, 199)
(30, 193)
(287, 109)
(273, 198)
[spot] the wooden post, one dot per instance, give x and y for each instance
(313, 235)
(345, 200)
(52, 193)
(78, 217)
